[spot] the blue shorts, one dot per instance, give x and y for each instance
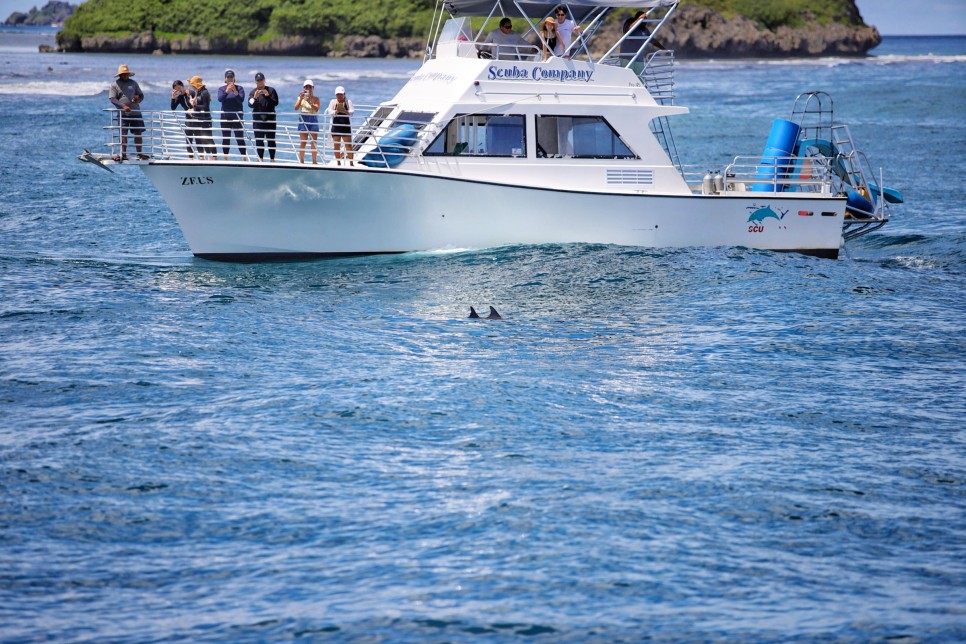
(308, 123)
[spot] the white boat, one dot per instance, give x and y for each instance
(489, 149)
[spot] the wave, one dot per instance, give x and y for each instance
(64, 88)
(828, 61)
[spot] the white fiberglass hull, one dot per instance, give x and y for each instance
(252, 212)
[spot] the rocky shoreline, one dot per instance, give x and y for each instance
(695, 32)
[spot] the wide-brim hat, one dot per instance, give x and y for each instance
(123, 69)
(196, 82)
(550, 21)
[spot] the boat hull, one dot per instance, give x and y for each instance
(247, 212)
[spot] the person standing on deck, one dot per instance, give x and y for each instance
(566, 28)
(126, 95)
(340, 108)
(308, 106)
(232, 99)
(263, 100)
(179, 98)
(200, 117)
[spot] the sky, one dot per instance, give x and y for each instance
(892, 17)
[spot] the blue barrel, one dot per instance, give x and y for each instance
(781, 143)
(858, 205)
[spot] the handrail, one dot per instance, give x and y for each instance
(180, 136)
(787, 173)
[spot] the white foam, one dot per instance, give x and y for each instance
(55, 88)
(828, 61)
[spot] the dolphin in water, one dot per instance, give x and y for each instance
(494, 314)
(88, 157)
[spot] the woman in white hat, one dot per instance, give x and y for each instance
(341, 108)
(308, 106)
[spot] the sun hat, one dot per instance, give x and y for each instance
(228, 73)
(123, 69)
(259, 76)
(308, 83)
(340, 90)
(196, 82)
(549, 20)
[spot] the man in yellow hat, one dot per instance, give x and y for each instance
(126, 95)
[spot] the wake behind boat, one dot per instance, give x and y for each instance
(490, 145)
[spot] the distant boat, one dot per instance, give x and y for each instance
(489, 145)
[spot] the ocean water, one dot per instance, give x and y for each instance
(695, 444)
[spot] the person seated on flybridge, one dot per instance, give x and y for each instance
(503, 44)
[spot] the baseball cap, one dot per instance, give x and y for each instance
(259, 76)
(308, 83)
(340, 90)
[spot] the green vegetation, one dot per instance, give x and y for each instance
(326, 20)
(791, 13)
(252, 19)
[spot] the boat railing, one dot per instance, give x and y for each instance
(177, 136)
(460, 29)
(762, 174)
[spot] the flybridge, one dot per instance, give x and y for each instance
(497, 72)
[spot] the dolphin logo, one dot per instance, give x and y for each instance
(761, 213)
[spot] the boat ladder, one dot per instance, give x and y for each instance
(658, 78)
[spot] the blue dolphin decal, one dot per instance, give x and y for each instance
(761, 213)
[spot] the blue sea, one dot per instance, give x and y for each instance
(711, 444)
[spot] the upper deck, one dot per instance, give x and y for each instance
(470, 29)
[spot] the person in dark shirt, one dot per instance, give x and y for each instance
(639, 33)
(126, 95)
(200, 117)
(232, 99)
(179, 98)
(263, 100)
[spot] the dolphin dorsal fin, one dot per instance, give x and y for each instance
(494, 314)
(473, 314)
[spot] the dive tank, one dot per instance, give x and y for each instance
(707, 184)
(718, 182)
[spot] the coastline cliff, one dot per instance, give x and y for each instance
(699, 29)
(52, 14)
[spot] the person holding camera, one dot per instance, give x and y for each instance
(308, 106)
(200, 117)
(232, 99)
(263, 101)
(340, 108)
(179, 98)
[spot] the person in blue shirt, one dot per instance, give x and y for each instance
(232, 99)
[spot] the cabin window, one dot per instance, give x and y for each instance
(481, 135)
(584, 137)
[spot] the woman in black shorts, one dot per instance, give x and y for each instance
(340, 108)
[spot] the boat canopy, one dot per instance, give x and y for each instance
(523, 8)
